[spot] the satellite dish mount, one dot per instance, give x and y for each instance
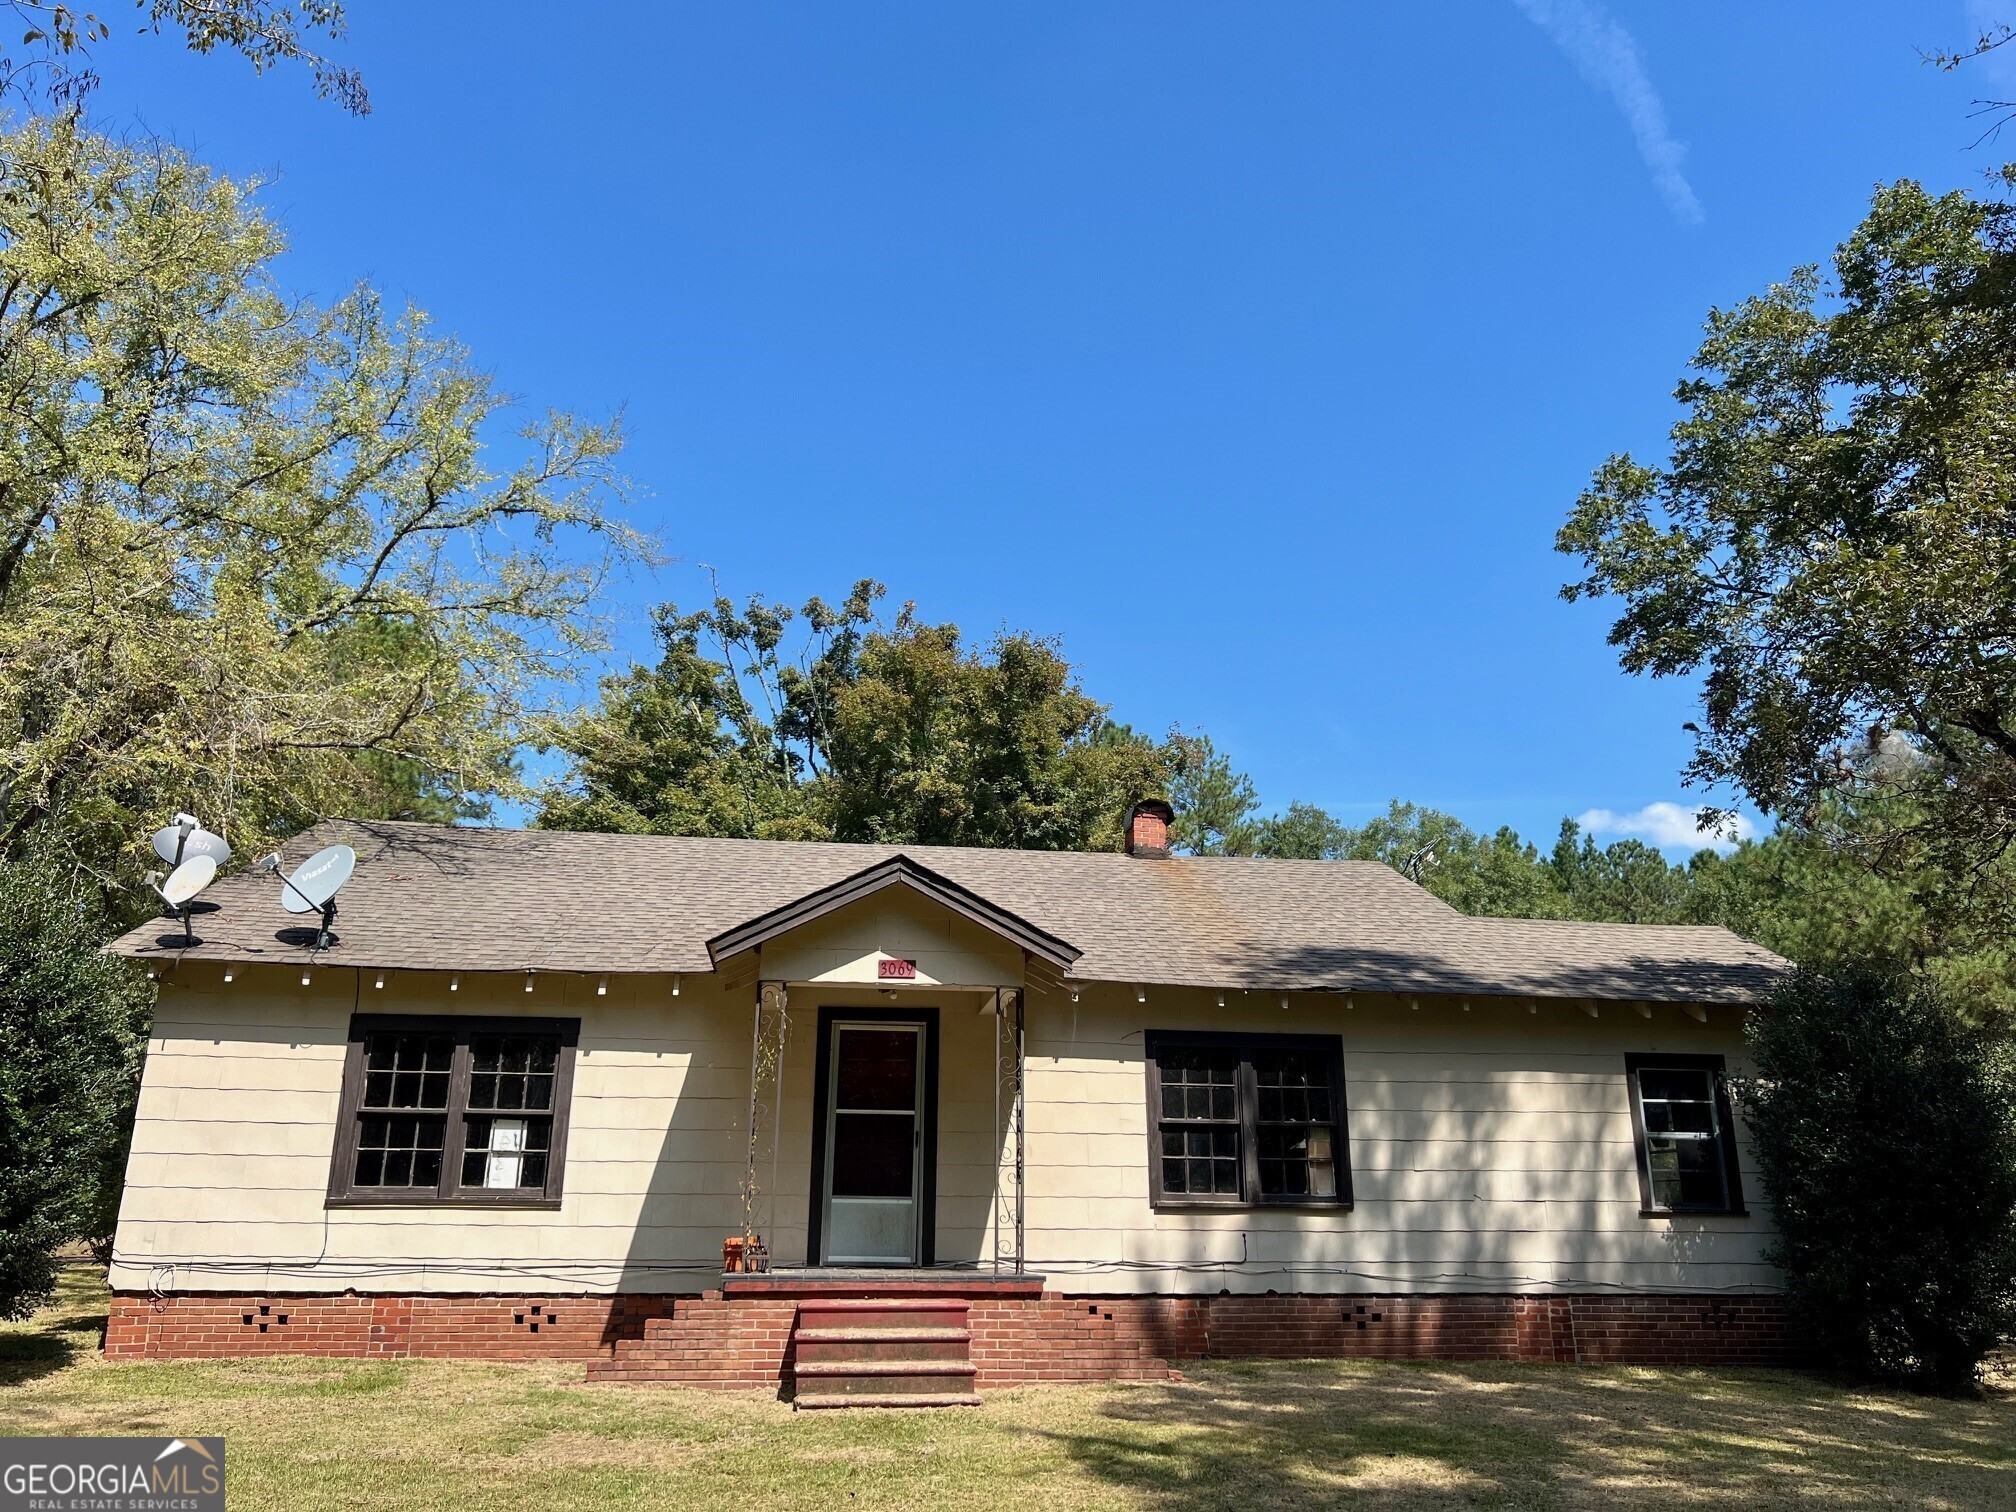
(327, 909)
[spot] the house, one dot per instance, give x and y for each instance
(1029, 1115)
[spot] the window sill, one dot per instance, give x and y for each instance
(1737, 1212)
(1319, 1205)
(541, 1204)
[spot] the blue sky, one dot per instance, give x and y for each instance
(1256, 351)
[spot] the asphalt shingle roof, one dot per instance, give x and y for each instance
(450, 898)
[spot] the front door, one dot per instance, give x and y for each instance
(874, 1144)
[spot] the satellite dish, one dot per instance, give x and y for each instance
(312, 888)
(189, 879)
(184, 838)
(182, 885)
(316, 880)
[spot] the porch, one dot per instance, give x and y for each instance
(878, 1281)
(885, 1139)
(886, 1062)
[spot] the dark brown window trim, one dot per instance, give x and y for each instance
(1732, 1174)
(464, 1027)
(1155, 1041)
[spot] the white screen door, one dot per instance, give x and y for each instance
(874, 1144)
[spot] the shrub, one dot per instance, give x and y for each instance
(72, 1026)
(1885, 1130)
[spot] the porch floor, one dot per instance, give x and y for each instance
(878, 1281)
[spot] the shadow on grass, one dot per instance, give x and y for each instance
(26, 1357)
(1239, 1436)
(59, 1335)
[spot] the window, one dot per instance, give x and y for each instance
(464, 1110)
(1246, 1121)
(1681, 1123)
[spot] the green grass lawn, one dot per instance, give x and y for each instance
(426, 1434)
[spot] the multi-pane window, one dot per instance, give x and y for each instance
(453, 1110)
(1680, 1118)
(1200, 1123)
(402, 1125)
(509, 1131)
(1241, 1121)
(1295, 1118)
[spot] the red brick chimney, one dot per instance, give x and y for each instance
(1148, 829)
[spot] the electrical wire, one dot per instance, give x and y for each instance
(583, 1271)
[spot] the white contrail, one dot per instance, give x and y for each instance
(1608, 57)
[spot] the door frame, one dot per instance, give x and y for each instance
(927, 1163)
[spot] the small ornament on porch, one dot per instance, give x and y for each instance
(744, 1254)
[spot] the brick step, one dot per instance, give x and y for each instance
(925, 1333)
(884, 1312)
(892, 1399)
(921, 1378)
(889, 1351)
(833, 1351)
(840, 1369)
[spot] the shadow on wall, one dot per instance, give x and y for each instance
(1433, 1436)
(692, 1199)
(1507, 1187)
(692, 1164)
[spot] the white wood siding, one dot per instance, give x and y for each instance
(1490, 1150)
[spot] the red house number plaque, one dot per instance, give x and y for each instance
(896, 971)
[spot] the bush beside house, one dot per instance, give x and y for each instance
(1885, 1130)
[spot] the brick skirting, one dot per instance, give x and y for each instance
(1557, 1329)
(185, 1325)
(743, 1341)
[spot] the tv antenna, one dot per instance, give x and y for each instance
(1417, 863)
(181, 886)
(314, 885)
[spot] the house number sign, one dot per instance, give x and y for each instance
(896, 971)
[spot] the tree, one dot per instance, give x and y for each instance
(725, 734)
(997, 747)
(1991, 37)
(1214, 802)
(1625, 882)
(1831, 540)
(1303, 832)
(850, 729)
(1885, 1132)
(72, 1022)
(51, 61)
(1809, 894)
(256, 559)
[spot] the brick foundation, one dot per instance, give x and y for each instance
(1020, 1334)
(206, 1325)
(1573, 1329)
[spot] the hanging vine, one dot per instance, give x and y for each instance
(766, 1063)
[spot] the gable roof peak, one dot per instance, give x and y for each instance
(892, 871)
